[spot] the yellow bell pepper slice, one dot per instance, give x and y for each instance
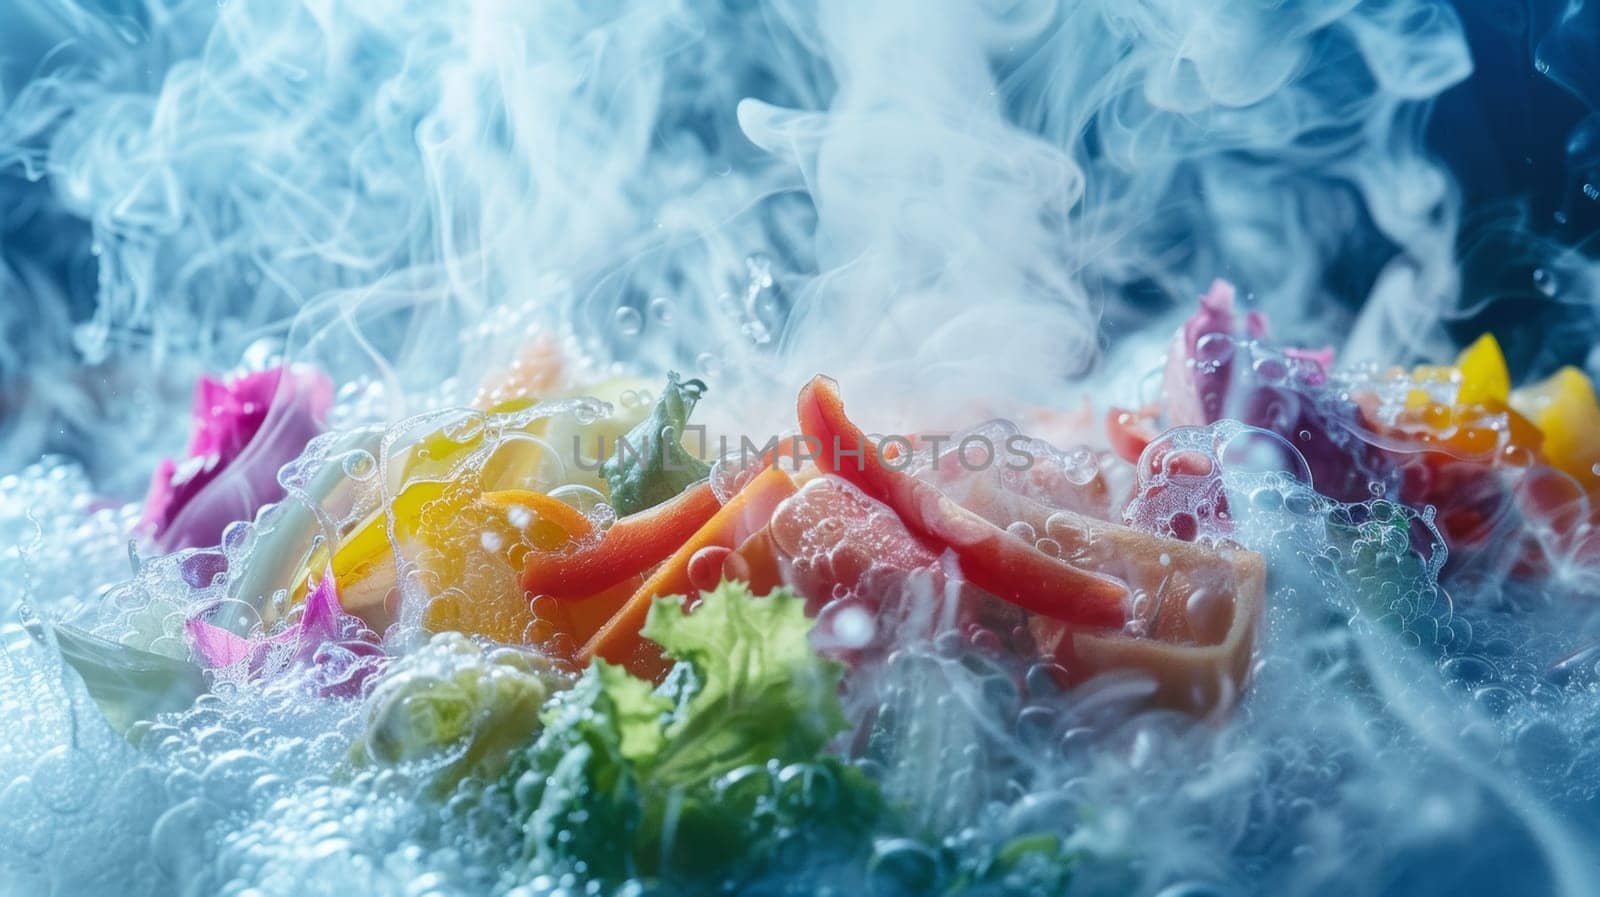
(475, 553)
(1564, 407)
(434, 520)
(1484, 376)
(1480, 376)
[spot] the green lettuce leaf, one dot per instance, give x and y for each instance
(651, 465)
(710, 778)
(759, 691)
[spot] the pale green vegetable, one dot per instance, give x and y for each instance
(456, 708)
(127, 684)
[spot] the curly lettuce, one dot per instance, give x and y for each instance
(711, 777)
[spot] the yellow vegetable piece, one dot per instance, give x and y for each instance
(1480, 375)
(1564, 407)
(1418, 398)
(1484, 377)
(474, 558)
(439, 526)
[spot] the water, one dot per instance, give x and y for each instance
(948, 213)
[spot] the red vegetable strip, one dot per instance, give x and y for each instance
(630, 547)
(619, 641)
(990, 558)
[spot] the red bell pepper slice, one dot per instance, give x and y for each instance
(990, 558)
(630, 547)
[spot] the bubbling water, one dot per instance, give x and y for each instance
(937, 209)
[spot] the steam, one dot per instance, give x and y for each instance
(953, 208)
(948, 202)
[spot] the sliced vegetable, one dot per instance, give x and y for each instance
(336, 646)
(631, 546)
(1484, 377)
(650, 465)
(1130, 431)
(441, 476)
(1564, 408)
(1200, 364)
(468, 556)
(836, 541)
(755, 563)
(991, 558)
(621, 641)
(1197, 643)
(245, 429)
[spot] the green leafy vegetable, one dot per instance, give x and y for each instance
(711, 778)
(453, 709)
(651, 465)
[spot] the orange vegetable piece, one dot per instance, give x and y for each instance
(991, 558)
(508, 524)
(619, 641)
(631, 546)
(1564, 408)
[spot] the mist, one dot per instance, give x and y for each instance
(960, 213)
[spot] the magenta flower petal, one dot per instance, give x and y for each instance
(243, 432)
(336, 647)
(214, 646)
(324, 620)
(1200, 364)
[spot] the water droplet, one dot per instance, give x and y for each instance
(360, 465)
(662, 310)
(628, 321)
(1545, 281)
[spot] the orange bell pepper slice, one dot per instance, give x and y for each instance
(631, 546)
(619, 641)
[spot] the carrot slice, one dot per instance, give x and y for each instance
(619, 641)
(631, 546)
(991, 558)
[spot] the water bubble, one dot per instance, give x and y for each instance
(1545, 281)
(62, 782)
(1213, 350)
(359, 465)
(901, 866)
(708, 364)
(627, 321)
(662, 310)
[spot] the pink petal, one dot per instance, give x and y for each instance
(193, 501)
(215, 646)
(322, 620)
